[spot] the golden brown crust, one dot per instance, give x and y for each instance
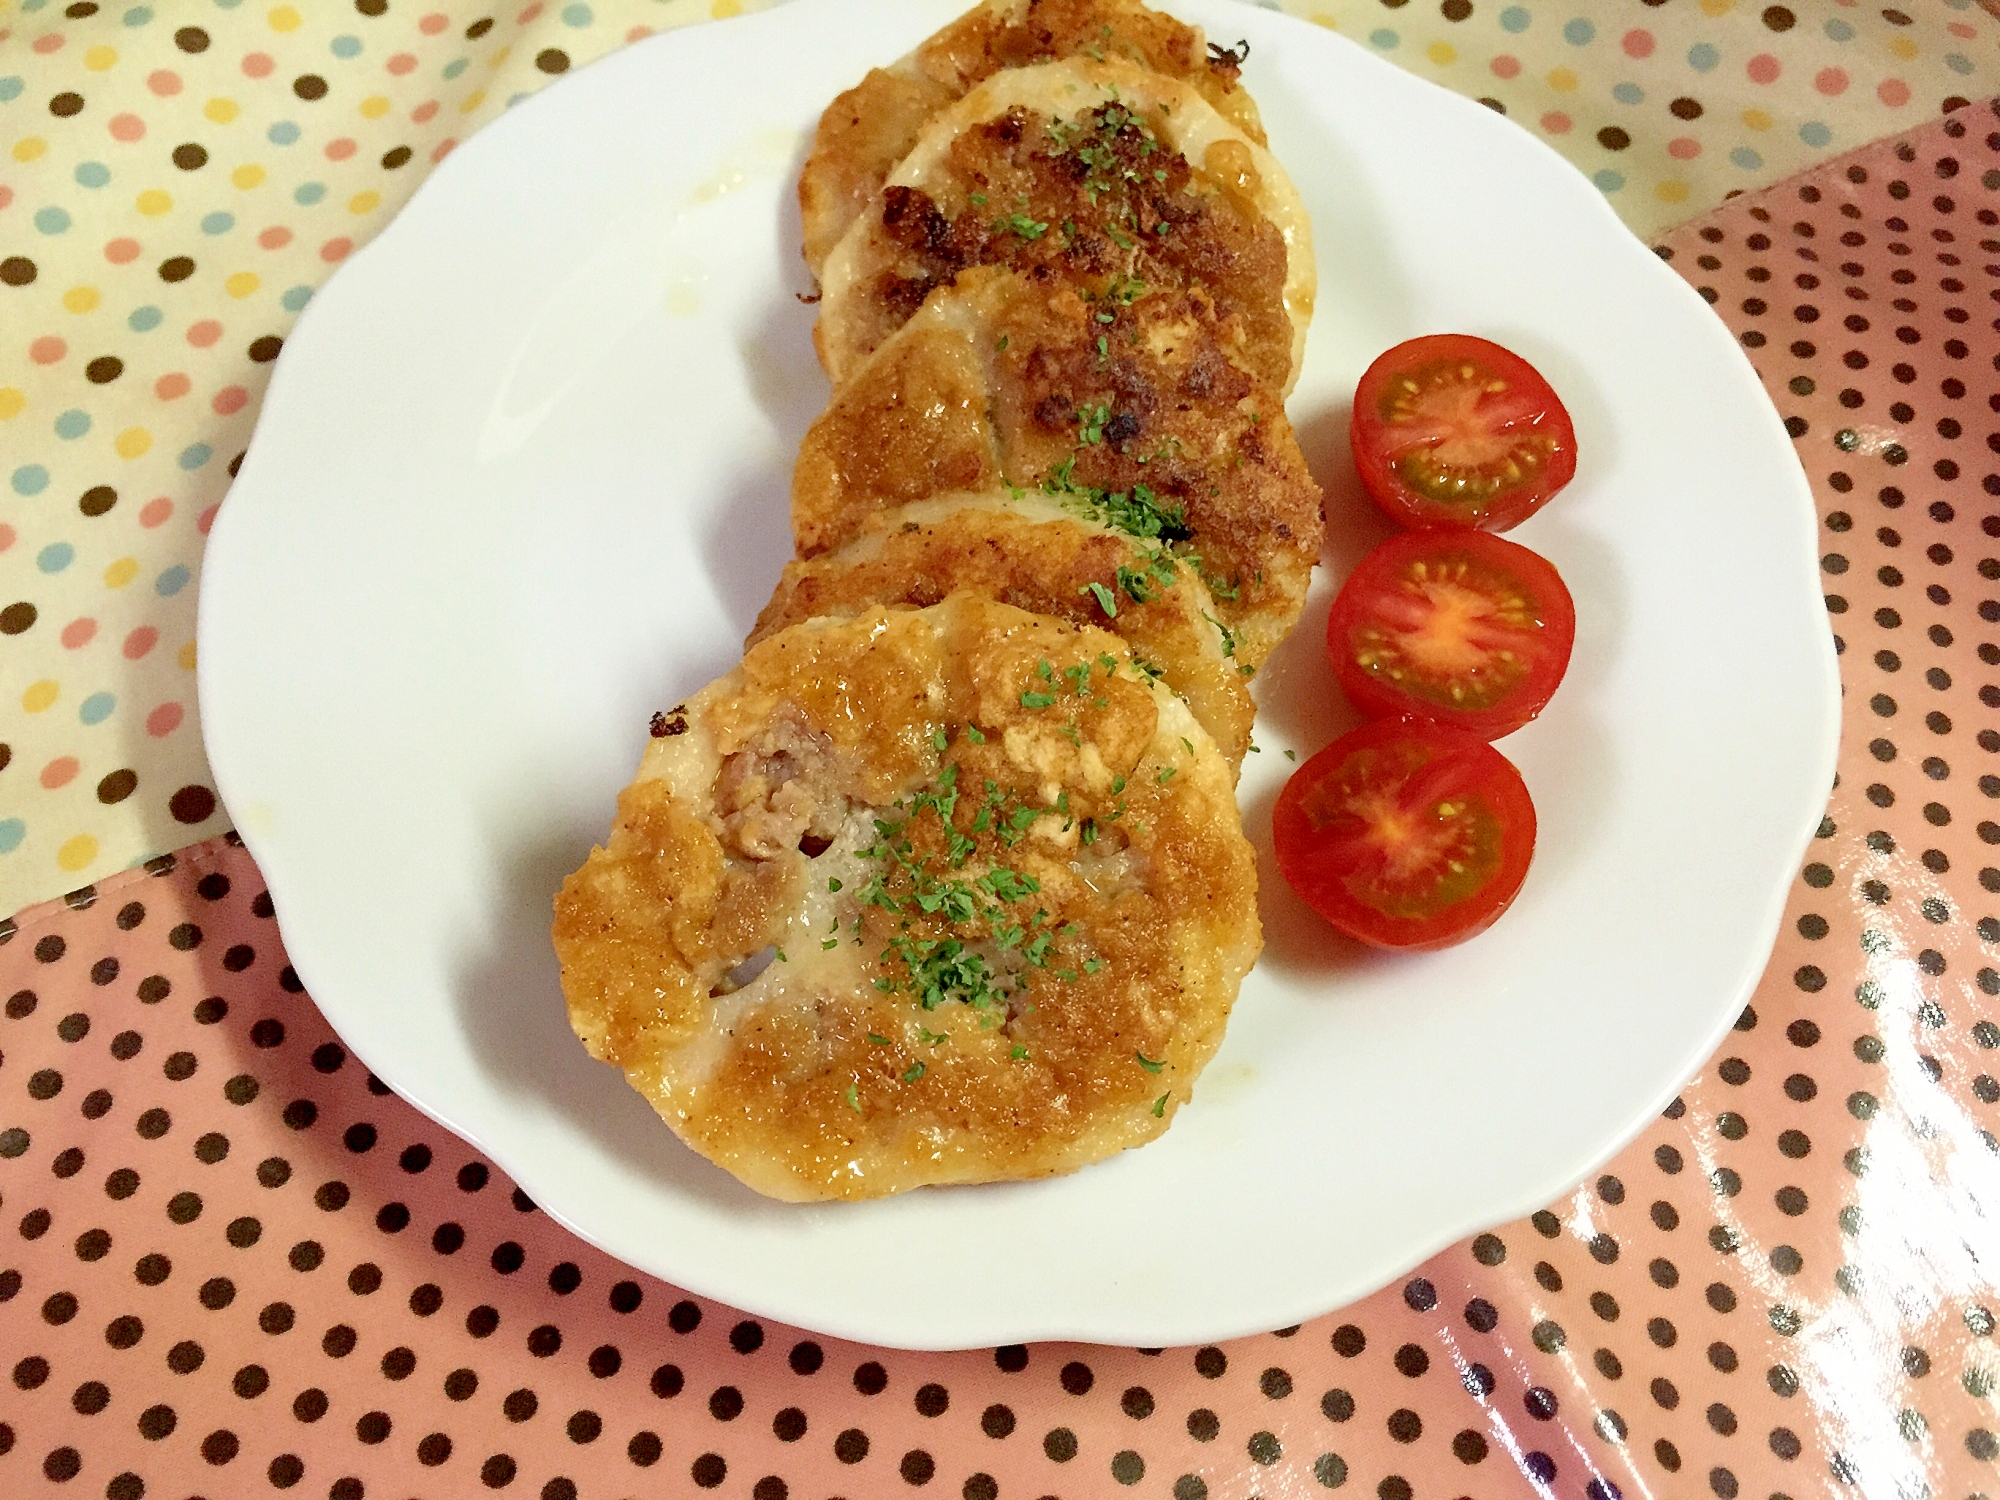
(1104, 917)
(872, 126)
(1013, 381)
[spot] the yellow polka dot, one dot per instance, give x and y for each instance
(501, 55)
(1671, 191)
(77, 852)
(248, 176)
(81, 299)
(186, 657)
(1903, 47)
(1756, 119)
(374, 107)
(121, 572)
(154, 202)
(722, 10)
(29, 147)
(97, 59)
(132, 442)
(472, 101)
(40, 695)
(364, 203)
(1562, 80)
(242, 284)
(1323, 19)
(284, 18)
(11, 402)
(1717, 7)
(1442, 53)
(222, 111)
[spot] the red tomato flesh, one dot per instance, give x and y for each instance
(1451, 430)
(1458, 627)
(1405, 834)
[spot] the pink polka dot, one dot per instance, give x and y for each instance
(52, 42)
(140, 641)
(172, 387)
(1638, 42)
(206, 519)
(1684, 148)
(275, 238)
(164, 720)
(164, 82)
(229, 400)
(528, 15)
(127, 127)
(156, 512)
(424, 111)
(1505, 66)
(336, 248)
(47, 349)
(6, 195)
(60, 772)
(1763, 68)
(433, 23)
(121, 252)
(443, 149)
(638, 33)
(1893, 92)
(1962, 31)
(401, 63)
(257, 64)
(204, 333)
(339, 150)
(78, 632)
(1555, 122)
(6, 537)
(1831, 81)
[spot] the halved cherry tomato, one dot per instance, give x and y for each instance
(1452, 430)
(1458, 627)
(1405, 834)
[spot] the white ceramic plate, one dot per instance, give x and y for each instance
(521, 479)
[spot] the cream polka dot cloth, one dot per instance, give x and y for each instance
(180, 178)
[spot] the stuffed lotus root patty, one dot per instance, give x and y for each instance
(922, 896)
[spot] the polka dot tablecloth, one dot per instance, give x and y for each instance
(179, 179)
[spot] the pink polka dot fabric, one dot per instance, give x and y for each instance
(230, 1262)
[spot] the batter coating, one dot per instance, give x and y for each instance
(1085, 392)
(999, 879)
(1031, 553)
(1100, 171)
(872, 126)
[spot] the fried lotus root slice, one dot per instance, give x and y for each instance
(1028, 552)
(872, 126)
(921, 896)
(1098, 172)
(1125, 406)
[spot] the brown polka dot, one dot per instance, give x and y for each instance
(17, 270)
(18, 617)
(104, 369)
(552, 60)
(190, 156)
(97, 500)
(191, 39)
(116, 786)
(309, 87)
(191, 804)
(265, 349)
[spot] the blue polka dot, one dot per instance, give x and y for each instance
(1609, 181)
(456, 66)
(1958, 62)
(73, 423)
(55, 557)
(1579, 32)
(96, 708)
(195, 455)
(345, 46)
(92, 174)
(10, 88)
(1628, 93)
(227, 4)
(1745, 158)
(282, 134)
(514, 99)
(1839, 31)
(12, 831)
(1514, 18)
(577, 15)
(138, 15)
(1815, 134)
(144, 319)
(51, 220)
(309, 193)
(173, 580)
(1702, 57)
(31, 6)
(30, 479)
(1959, 4)
(218, 223)
(1383, 38)
(296, 298)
